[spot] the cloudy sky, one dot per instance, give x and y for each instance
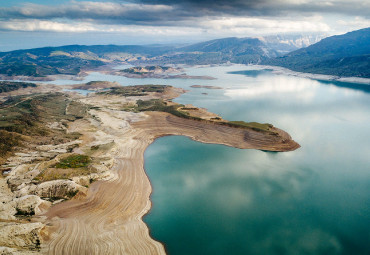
(25, 24)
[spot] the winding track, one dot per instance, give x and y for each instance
(108, 220)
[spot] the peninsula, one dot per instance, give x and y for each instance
(74, 180)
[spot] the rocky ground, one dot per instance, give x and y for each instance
(75, 184)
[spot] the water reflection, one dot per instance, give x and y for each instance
(211, 199)
(253, 73)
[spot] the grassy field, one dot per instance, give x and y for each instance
(140, 90)
(68, 167)
(27, 116)
(6, 86)
(266, 127)
(73, 161)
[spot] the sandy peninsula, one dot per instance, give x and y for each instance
(106, 217)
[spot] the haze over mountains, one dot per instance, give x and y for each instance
(286, 43)
(344, 55)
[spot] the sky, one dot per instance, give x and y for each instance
(30, 24)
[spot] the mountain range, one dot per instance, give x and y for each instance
(342, 55)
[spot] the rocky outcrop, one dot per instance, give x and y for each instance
(12, 251)
(57, 189)
(26, 236)
(31, 205)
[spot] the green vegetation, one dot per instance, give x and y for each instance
(8, 141)
(77, 110)
(68, 167)
(72, 193)
(139, 90)
(145, 70)
(252, 125)
(340, 55)
(23, 116)
(73, 59)
(7, 86)
(74, 161)
(42, 62)
(101, 147)
(18, 114)
(24, 213)
(158, 105)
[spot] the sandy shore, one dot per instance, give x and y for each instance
(324, 77)
(108, 220)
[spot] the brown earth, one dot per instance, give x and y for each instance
(109, 219)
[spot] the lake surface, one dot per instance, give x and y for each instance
(213, 199)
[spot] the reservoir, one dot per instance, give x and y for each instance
(213, 199)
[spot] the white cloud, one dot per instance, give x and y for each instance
(78, 27)
(171, 20)
(265, 25)
(42, 25)
(218, 27)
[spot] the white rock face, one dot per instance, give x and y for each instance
(31, 204)
(58, 188)
(7, 206)
(11, 251)
(20, 235)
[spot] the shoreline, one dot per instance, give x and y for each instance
(313, 76)
(107, 217)
(117, 206)
(73, 214)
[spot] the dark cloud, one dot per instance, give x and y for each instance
(166, 12)
(268, 7)
(182, 13)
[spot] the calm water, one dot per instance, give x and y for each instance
(213, 199)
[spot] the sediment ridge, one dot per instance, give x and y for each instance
(106, 218)
(109, 219)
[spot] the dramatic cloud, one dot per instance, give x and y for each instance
(269, 7)
(192, 19)
(91, 11)
(184, 12)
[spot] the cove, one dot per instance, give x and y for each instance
(213, 199)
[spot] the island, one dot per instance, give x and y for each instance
(158, 72)
(73, 178)
(205, 87)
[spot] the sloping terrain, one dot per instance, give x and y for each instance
(75, 59)
(341, 55)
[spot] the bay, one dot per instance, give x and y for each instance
(212, 199)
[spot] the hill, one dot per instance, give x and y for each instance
(236, 50)
(69, 60)
(74, 59)
(341, 55)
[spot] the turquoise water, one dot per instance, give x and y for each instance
(213, 199)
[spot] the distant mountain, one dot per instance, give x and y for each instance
(284, 44)
(341, 55)
(235, 50)
(345, 55)
(73, 59)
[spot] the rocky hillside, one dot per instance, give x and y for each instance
(341, 55)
